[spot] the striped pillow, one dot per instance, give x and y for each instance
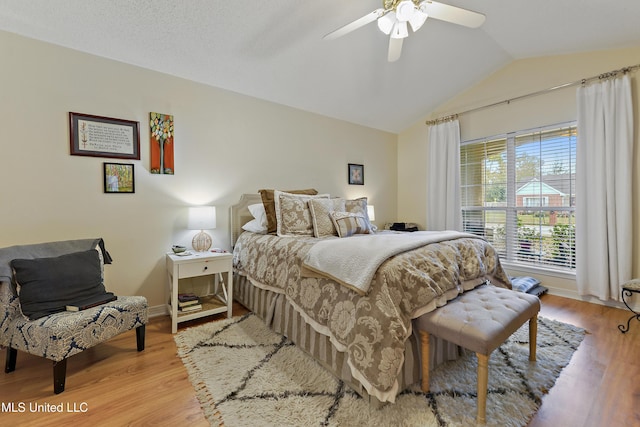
(347, 224)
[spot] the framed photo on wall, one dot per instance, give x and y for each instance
(98, 136)
(119, 178)
(161, 140)
(356, 174)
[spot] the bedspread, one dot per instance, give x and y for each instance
(372, 328)
(353, 262)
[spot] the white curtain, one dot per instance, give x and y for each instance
(603, 186)
(443, 175)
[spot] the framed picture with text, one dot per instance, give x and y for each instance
(98, 136)
(356, 174)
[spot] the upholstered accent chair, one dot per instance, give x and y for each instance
(32, 313)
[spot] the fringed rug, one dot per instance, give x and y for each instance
(246, 375)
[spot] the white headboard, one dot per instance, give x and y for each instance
(240, 214)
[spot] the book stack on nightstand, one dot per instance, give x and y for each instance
(188, 302)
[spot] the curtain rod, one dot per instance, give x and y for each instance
(540, 92)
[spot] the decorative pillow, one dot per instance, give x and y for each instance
(270, 207)
(293, 217)
(347, 223)
(259, 223)
(524, 283)
(357, 206)
(258, 212)
(255, 226)
(48, 285)
(529, 285)
(320, 215)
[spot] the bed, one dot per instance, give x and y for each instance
(363, 336)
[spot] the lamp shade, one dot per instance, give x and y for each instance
(202, 218)
(385, 23)
(405, 10)
(371, 213)
(417, 20)
(400, 30)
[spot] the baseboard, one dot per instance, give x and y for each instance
(566, 293)
(158, 310)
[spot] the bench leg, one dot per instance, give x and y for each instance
(10, 363)
(425, 355)
(483, 383)
(59, 375)
(140, 337)
(533, 337)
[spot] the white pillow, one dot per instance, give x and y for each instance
(259, 222)
(258, 212)
(255, 227)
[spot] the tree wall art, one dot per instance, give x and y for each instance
(161, 142)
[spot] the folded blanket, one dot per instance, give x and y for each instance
(354, 261)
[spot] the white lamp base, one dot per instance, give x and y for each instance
(201, 242)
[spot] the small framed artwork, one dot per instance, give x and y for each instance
(119, 178)
(356, 174)
(161, 142)
(98, 136)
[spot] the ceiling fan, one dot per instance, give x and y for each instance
(394, 15)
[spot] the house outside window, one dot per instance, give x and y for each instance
(518, 191)
(534, 201)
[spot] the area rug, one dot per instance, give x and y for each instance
(246, 375)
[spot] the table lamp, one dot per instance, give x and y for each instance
(371, 212)
(202, 218)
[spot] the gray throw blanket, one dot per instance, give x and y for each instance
(46, 250)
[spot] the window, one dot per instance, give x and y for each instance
(535, 201)
(518, 191)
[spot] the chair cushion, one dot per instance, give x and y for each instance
(64, 334)
(47, 285)
(481, 319)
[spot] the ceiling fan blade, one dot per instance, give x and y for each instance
(395, 49)
(453, 14)
(370, 17)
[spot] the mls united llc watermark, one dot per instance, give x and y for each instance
(22, 407)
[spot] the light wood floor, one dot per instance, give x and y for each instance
(112, 384)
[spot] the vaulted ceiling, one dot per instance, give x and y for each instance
(274, 50)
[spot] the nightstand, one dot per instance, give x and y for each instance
(216, 294)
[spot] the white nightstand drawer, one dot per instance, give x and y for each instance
(203, 268)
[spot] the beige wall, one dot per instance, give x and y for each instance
(518, 78)
(226, 144)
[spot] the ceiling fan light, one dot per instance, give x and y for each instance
(417, 20)
(405, 10)
(386, 22)
(400, 30)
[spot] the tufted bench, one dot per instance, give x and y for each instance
(479, 320)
